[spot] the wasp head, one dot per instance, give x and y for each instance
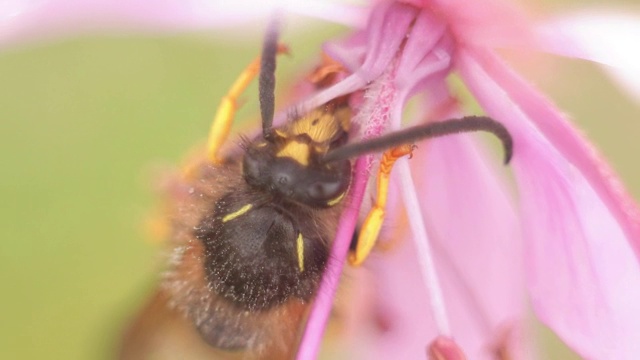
(290, 165)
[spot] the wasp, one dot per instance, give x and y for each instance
(252, 227)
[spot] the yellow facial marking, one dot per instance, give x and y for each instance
(300, 244)
(343, 117)
(298, 151)
(335, 200)
(243, 210)
(321, 126)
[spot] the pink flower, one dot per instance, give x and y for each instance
(569, 246)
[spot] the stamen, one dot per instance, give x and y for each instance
(414, 213)
(352, 83)
(424, 253)
(444, 348)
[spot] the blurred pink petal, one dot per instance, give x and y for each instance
(571, 145)
(29, 20)
(490, 23)
(600, 35)
(42, 19)
(582, 275)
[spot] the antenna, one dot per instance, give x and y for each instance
(430, 130)
(267, 80)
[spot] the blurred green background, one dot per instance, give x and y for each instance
(84, 123)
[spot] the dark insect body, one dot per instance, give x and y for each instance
(252, 229)
(264, 241)
(258, 248)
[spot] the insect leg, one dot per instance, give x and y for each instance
(372, 224)
(226, 111)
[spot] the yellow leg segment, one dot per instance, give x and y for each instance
(372, 224)
(226, 111)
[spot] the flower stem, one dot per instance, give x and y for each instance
(314, 331)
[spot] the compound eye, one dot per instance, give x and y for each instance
(323, 191)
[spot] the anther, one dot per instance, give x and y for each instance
(444, 348)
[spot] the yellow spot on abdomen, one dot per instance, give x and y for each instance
(300, 244)
(237, 213)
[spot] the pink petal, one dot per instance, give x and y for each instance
(27, 20)
(488, 23)
(571, 144)
(385, 33)
(607, 37)
(583, 278)
(425, 53)
(22, 20)
(474, 234)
